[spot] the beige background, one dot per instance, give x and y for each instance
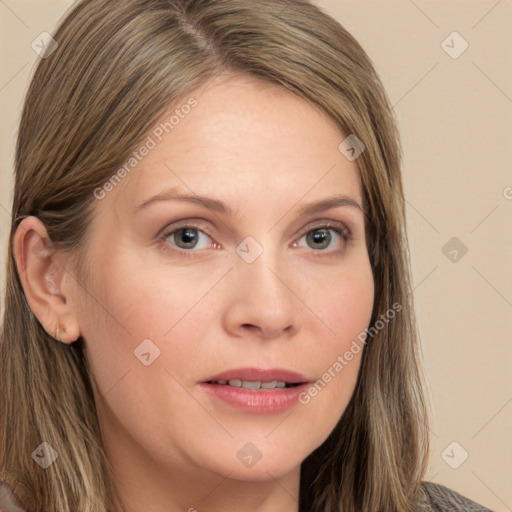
(455, 117)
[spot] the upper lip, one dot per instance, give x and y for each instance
(260, 374)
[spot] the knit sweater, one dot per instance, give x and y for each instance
(438, 498)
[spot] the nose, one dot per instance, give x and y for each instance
(261, 301)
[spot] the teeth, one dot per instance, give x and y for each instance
(256, 384)
(247, 384)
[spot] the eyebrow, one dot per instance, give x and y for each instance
(216, 205)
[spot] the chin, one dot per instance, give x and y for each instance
(248, 464)
(263, 473)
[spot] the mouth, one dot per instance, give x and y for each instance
(255, 384)
(258, 378)
(256, 390)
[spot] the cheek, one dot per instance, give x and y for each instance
(145, 301)
(135, 302)
(346, 305)
(346, 309)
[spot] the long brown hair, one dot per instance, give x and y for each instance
(117, 68)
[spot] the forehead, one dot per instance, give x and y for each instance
(245, 139)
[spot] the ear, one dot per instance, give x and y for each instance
(46, 282)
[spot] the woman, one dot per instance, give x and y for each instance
(207, 300)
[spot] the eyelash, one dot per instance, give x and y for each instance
(338, 227)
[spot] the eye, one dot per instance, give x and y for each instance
(323, 237)
(188, 237)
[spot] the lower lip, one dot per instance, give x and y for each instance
(268, 401)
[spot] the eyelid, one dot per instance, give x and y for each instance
(341, 226)
(188, 223)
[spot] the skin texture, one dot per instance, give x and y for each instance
(265, 153)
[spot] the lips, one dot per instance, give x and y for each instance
(256, 390)
(279, 375)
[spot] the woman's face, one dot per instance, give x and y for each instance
(249, 284)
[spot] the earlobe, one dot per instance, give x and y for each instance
(44, 277)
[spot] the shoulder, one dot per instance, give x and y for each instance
(443, 499)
